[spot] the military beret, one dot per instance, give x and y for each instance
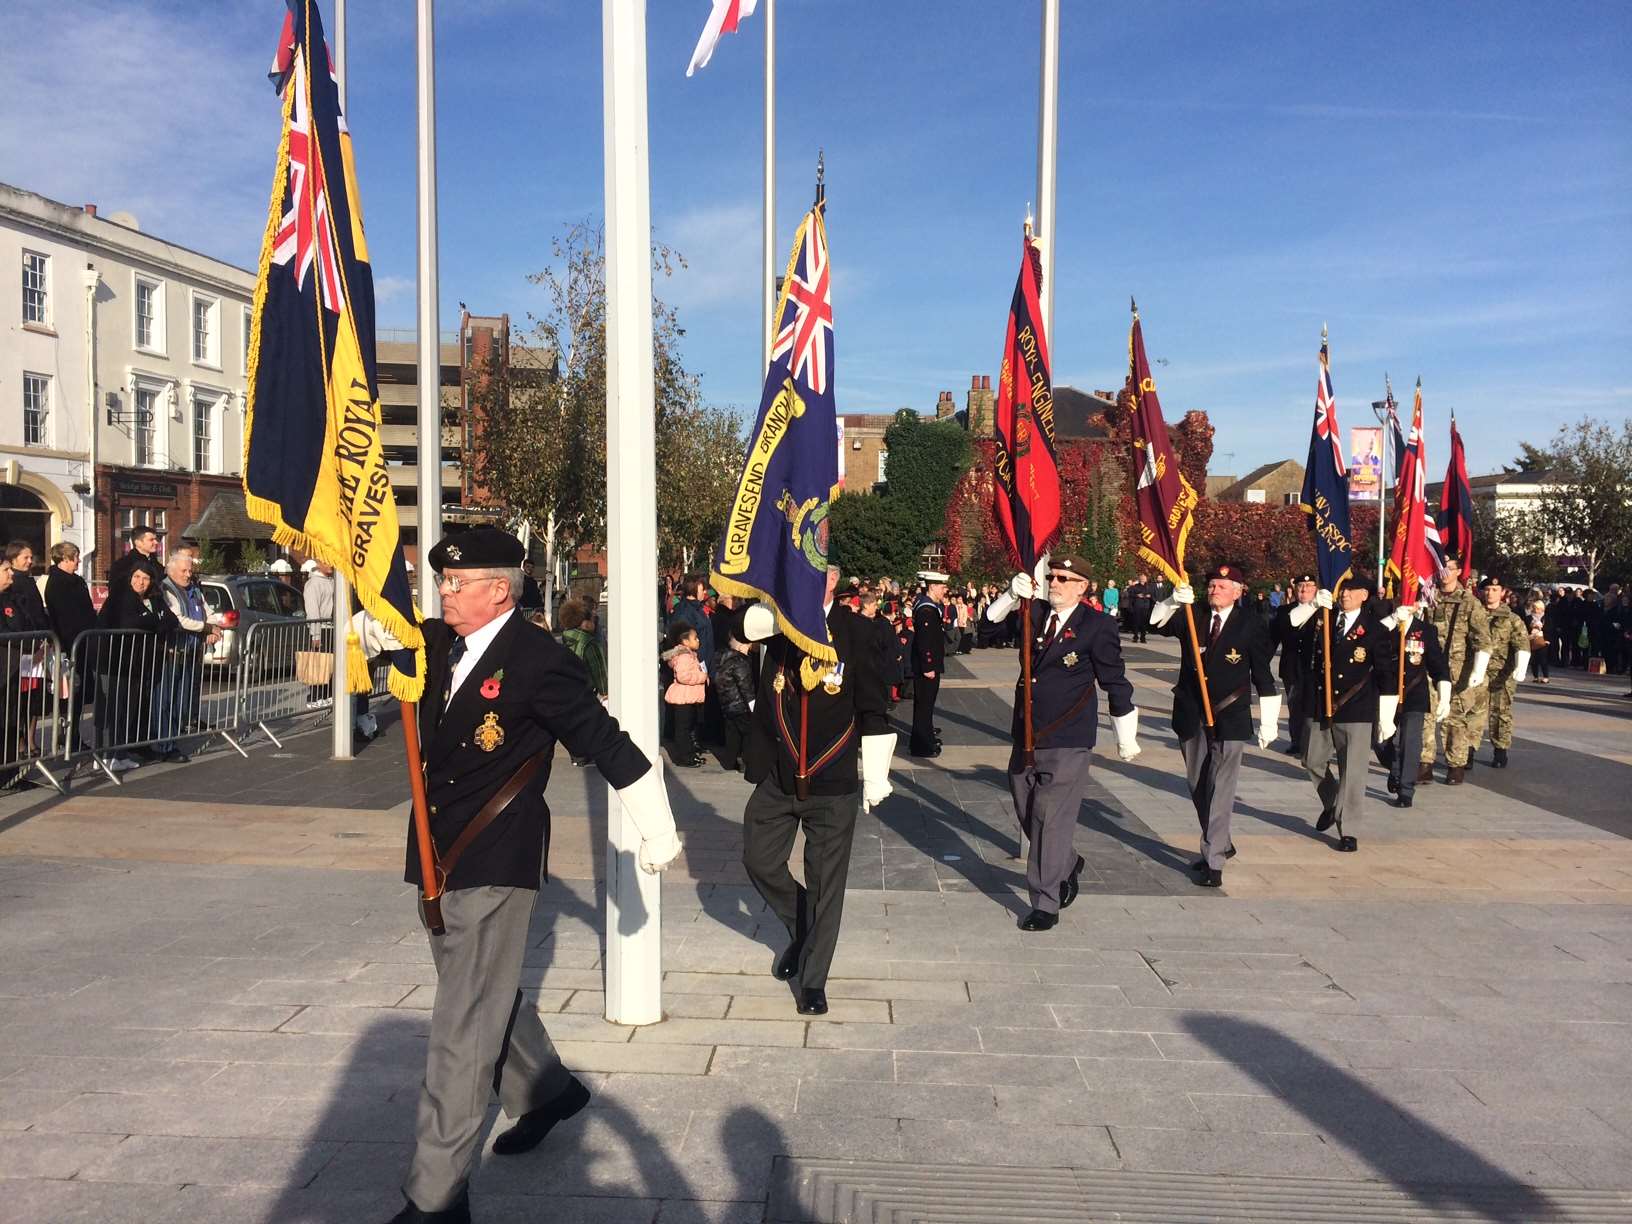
(1360, 582)
(1070, 562)
(478, 548)
(1451, 557)
(1304, 578)
(1229, 570)
(1490, 580)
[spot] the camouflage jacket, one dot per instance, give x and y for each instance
(1508, 636)
(1463, 626)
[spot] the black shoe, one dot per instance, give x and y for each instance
(1501, 758)
(1327, 819)
(176, 757)
(1393, 785)
(1402, 801)
(1210, 879)
(459, 1213)
(787, 963)
(1069, 888)
(529, 1132)
(813, 1002)
(1201, 864)
(1347, 844)
(1037, 920)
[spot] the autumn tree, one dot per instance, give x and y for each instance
(1586, 506)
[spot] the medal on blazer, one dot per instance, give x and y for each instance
(1359, 654)
(834, 680)
(489, 735)
(1070, 659)
(779, 682)
(1234, 656)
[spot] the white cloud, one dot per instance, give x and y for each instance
(720, 243)
(393, 288)
(164, 114)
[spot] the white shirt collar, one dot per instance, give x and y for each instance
(1223, 614)
(476, 643)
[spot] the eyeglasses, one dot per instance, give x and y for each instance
(1066, 578)
(453, 584)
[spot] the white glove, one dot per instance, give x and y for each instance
(1299, 616)
(758, 623)
(1323, 599)
(376, 639)
(1023, 586)
(1185, 594)
(1386, 706)
(647, 802)
(1403, 616)
(1269, 719)
(1521, 664)
(1476, 677)
(998, 610)
(1126, 727)
(1442, 710)
(876, 751)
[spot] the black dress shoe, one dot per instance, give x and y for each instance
(1327, 819)
(1069, 887)
(1347, 844)
(1210, 879)
(1038, 920)
(1201, 864)
(787, 963)
(813, 1002)
(1393, 786)
(1501, 758)
(459, 1213)
(1402, 801)
(176, 757)
(529, 1132)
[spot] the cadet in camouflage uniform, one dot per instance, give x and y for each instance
(1464, 634)
(1509, 659)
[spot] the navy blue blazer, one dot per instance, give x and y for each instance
(1086, 652)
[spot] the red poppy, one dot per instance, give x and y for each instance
(1359, 631)
(490, 687)
(9, 612)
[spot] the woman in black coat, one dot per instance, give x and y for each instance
(71, 612)
(128, 664)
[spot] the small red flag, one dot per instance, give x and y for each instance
(1414, 558)
(1456, 504)
(1164, 500)
(1027, 488)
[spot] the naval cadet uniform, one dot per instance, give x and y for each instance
(1363, 671)
(803, 756)
(1425, 672)
(928, 655)
(496, 704)
(1236, 653)
(1072, 656)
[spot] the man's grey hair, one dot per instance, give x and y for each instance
(512, 577)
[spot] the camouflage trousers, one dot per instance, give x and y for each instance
(1499, 715)
(1460, 732)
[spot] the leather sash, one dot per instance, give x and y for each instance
(1349, 694)
(491, 810)
(1219, 707)
(1082, 703)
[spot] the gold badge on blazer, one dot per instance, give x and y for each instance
(489, 735)
(834, 680)
(1070, 659)
(1234, 656)
(1359, 654)
(779, 682)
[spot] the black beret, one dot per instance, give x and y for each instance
(1360, 582)
(1304, 578)
(1450, 557)
(1070, 562)
(478, 548)
(1490, 580)
(1229, 570)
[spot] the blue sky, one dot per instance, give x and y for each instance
(1447, 185)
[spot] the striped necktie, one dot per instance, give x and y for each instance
(455, 653)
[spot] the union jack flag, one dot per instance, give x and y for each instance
(1326, 484)
(1417, 552)
(305, 236)
(806, 339)
(1326, 410)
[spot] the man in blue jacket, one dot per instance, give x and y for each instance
(1073, 647)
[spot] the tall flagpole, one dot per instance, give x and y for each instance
(1048, 133)
(767, 286)
(429, 510)
(634, 966)
(341, 624)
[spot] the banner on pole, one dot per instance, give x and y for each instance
(1366, 463)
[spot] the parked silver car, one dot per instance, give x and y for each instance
(237, 601)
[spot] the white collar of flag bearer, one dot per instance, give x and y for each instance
(314, 463)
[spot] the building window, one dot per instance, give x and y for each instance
(36, 407)
(206, 340)
(249, 326)
(36, 275)
(883, 463)
(1255, 496)
(149, 315)
(203, 408)
(147, 411)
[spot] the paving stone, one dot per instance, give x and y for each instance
(752, 1063)
(214, 1115)
(840, 1011)
(663, 1058)
(973, 1142)
(1238, 1153)
(112, 1075)
(726, 1032)
(334, 994)
(894, 1037)
(1087, 1043)
(78, 1202)
(941, 1068)
(886, 1100)
(31, 1154)
(1077, 1105)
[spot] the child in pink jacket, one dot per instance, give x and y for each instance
(684, 696)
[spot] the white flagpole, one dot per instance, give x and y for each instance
(767, 287)
(634, 967)
(1048, 133)
(429, 510)
(341, 712)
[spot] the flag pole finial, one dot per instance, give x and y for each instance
(1323, 333)
(821, 178)
(1133, 306)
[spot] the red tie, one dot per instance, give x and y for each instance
(1212, 634)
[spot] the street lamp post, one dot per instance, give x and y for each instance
(1383, 409)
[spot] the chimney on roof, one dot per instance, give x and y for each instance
(985, 382)
(981, 420)
(945, 406)
(90, 210)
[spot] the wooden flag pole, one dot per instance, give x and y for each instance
(430, 888)
(1326, 631)
(1025, 677)
(1201, 671)
(1401, 689)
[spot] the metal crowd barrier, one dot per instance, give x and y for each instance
(31, 702)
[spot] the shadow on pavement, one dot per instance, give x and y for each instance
(1413, 1156)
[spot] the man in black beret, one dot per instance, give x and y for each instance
(1235, 651)
(1294, 641)
(500, 693)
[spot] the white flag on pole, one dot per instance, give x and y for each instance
(722, 20)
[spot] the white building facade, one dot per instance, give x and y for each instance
(122, 377)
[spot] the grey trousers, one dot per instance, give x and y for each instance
(770, 822)
(1407, 748)
(1348, 746)
(1212, 767)
(1046, 802)
(484, 1037)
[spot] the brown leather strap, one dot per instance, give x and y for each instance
(1082, 703)
(1219, 707)
(489, 813)
(1350, 694)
